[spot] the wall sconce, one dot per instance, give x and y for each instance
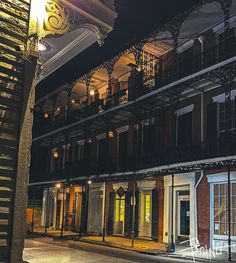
(58, 109)
(73, 101)
(56, 154)
(45, 115)
(110, 134)
(58, 186)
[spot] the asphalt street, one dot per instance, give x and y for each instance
(47, 250)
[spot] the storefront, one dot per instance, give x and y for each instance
(219, 210)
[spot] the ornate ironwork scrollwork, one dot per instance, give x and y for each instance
(57, 20)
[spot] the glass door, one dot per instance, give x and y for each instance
(119, 215)
(147, 215)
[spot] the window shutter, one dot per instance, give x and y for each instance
(84, 216)
(155, 199)
(136, 214)
(211, 121)
(173, 128)
(127, 214)
(111, 213)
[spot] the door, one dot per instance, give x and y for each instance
(119, 215)
(183, 223)
(147, 215)
(77, 211)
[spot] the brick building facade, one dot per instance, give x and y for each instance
(144, 145)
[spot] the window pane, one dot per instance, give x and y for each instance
(216, 189)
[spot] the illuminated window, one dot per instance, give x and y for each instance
(221, 209)
(120, 209)
(147, 208)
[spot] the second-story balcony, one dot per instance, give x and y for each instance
(128, 85)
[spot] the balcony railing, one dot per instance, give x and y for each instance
(163, 76)
(221, 147)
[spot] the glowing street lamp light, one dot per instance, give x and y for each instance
(89, 182)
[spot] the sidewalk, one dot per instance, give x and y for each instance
(145, 246)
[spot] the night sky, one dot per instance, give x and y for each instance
(136, 19)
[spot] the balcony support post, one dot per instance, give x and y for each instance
(69, 92)
(109, 66)
(137, 51)
(104, 212)
(87, 79)
(33, 210)
(229, 214)
(225, 6)
(172, 243)
(133, 212)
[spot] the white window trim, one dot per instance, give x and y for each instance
(221, 97)
(221, 177)
(81, 142)
(218, 29)
(184, 110)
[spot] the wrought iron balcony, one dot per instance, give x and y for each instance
(223, 146)
(138, 86)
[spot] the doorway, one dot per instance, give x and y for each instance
(145, 216)
(119, 226)
(183, 215)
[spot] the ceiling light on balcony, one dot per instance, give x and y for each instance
(110, 134)
(139, 68)
(58, 186)
(92, 92)
(56, 154)
(42, 46)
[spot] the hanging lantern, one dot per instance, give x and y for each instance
(139, 68)
(55, 154)
(92, 92)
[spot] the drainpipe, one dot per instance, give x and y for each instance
(195, 205)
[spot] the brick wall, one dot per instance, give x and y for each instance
(160, 187)
(203, 203)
